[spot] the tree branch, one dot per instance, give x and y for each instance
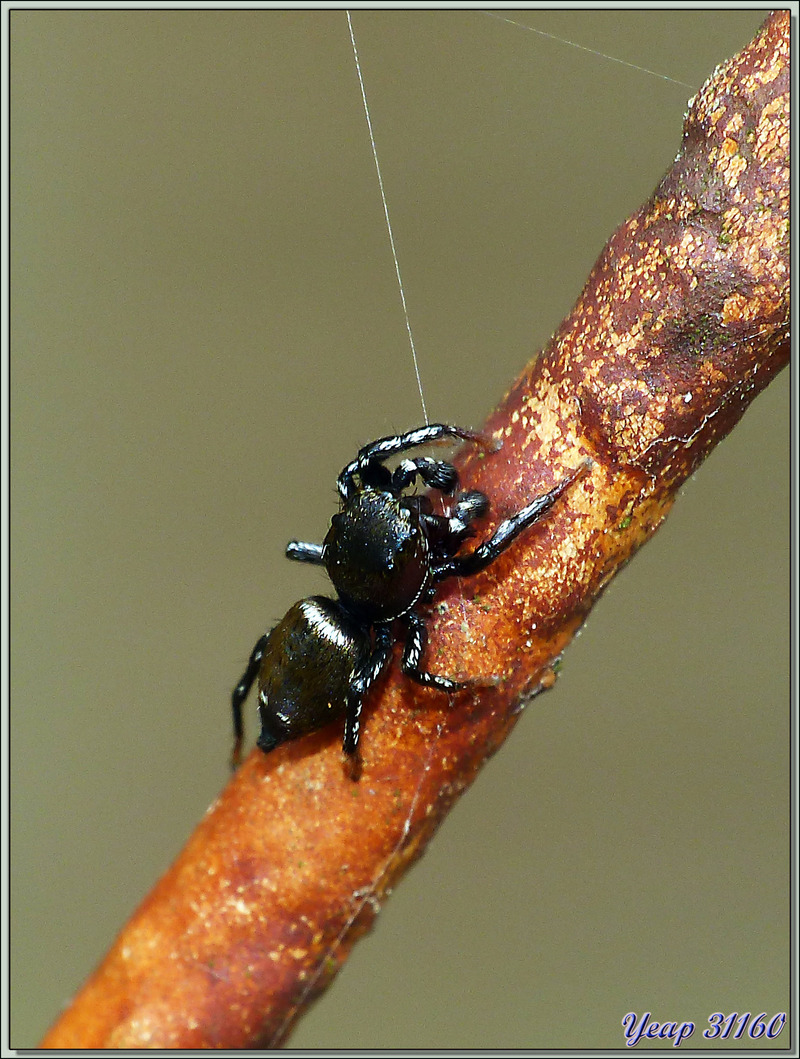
(683, 320)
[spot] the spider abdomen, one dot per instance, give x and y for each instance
(377, 556)
(308, 664)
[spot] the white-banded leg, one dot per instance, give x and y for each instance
(468, 507)
(362, 682)
(412, 656)
(379, 450)
(507, 531)
(438, 474)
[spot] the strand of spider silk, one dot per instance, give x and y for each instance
(386, 215)
(461, 599)
(599, 54)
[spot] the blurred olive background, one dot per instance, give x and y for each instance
(205, 326)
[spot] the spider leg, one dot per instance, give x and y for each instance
(240, 693)
(362, 682)
(469, 506)
(384, 447)
(412, 655)
(438, 474)
(446, 532)
(302, 552)
(507, 531)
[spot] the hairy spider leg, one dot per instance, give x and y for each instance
(240, 693)
(507, 531)
(362, 682)
(412, 653)
(438, 474)
(469, 506)
(394, 443)
(446, 533)
(303, 552)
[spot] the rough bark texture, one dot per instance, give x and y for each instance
(683, 320)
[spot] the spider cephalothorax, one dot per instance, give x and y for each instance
(385, 553)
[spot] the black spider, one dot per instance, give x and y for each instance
(385, 553)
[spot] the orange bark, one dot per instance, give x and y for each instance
(683, 320)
